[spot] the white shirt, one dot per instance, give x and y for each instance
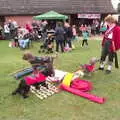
(6, 29)
(111, 34)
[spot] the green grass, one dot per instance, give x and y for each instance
(62, 106)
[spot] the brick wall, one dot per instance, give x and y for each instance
(21, 20)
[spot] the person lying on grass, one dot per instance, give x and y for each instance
(38, 76)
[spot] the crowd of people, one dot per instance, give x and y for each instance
(21, 36)
(62, 33)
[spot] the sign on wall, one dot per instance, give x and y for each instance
(89, 16)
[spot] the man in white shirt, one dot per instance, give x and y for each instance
(6, 31)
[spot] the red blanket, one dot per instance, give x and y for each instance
(80, 88)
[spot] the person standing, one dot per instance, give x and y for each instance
(81, 28)
(85, 38)
(6, 31)
(59, 33)
(93, 28)
(110, 44)
(28, 27)
(12, 29)
(74, 32)
(69, 35)
(89, 30)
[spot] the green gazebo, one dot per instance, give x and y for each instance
(51, 15)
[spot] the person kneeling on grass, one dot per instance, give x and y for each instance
(24, 43)
(89, 68)
(38, 77)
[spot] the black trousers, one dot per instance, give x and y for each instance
(61, 44)
(65, 40)
(69, 42)
(16, 42)
(106, 52)
(84, 42)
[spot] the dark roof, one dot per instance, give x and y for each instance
(25, 7)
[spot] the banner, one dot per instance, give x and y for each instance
(89, 16)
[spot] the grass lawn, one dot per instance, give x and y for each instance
(61, 106)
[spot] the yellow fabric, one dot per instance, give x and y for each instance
(67, 79)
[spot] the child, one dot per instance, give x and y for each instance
(85, 38)
(74, 32)
(86, 69)
(24, 41)
(38, 76)
(16, 41)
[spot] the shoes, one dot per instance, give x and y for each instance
(101, 68)
(108, 71)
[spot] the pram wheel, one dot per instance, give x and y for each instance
(39, 51)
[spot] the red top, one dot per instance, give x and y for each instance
(28, 27)
(89, 68)
(115, 38)
(29, 80)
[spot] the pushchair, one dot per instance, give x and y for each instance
(47, 45)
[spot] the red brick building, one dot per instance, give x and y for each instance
(22, 11)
